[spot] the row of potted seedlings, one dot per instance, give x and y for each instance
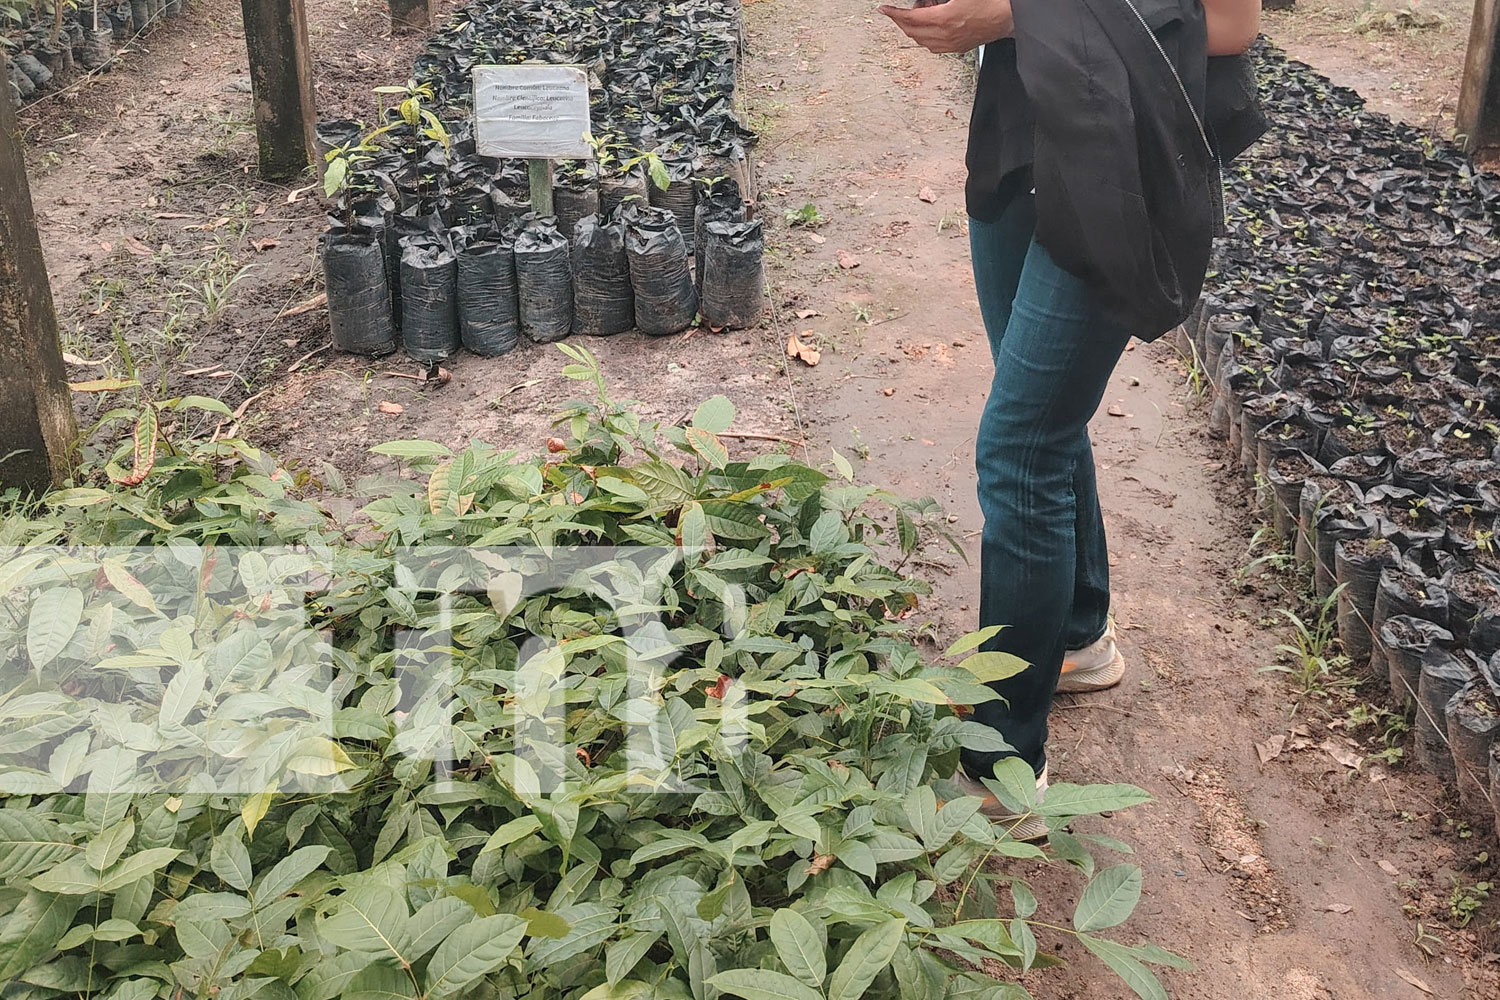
(1353, 345)
(44, 55)
(433, 248)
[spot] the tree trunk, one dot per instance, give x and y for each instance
(281, 82)
(36, 408)
(1479, 98)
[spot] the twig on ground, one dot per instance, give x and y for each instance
(753, 436)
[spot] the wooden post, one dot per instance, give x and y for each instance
(541, 189)
(410, 15)
(1479, 97)
(36, 407)
(281, 80)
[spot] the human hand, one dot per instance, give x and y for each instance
(954, 26)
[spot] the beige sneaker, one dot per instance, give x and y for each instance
(1093, 668)
(1025, 828)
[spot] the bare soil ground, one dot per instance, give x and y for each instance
(1296, 876)
(1405, 56)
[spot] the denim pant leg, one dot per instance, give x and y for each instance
(1044, 571)
(999, 252)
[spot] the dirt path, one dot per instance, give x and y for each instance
(1406, 58)
(1272, 877)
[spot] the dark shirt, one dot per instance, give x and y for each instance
(1121, 127)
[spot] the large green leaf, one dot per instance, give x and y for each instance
(714, 415)
(372, 919)
(30, 844)
(871, 952)
(435, 921)
(138, 865)
(106, 848)
(988, 668)
(799, 947)
(287, 872)
(973, 640)
(33, 929)
(473, 950)
(230, 860)
(54, 618)
(1087, 800)
(381, 982)
(1127, 966)
(1109, 898)
(211, 906)
(761, 984)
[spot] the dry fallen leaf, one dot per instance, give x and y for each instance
(386, 406)
(1388, 868)
(264, 245)
(807, 313)
(1413, 980)
(136, 247)
(927, 195)
(74, 359)
(820, 864)
(1339, 908)
(802, 352)
(1271, 748)
(1342, 754)
(847, 260)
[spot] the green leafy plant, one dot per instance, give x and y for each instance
(762, 813)
(1310, 658)
(806, 217)
(1465, 901)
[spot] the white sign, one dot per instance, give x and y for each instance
(532, 111)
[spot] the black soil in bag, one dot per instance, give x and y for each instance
(1473, 724)
(429, 299)
(1333, 525)
(359, 294)
(508, 207)
(734, 275)
(665, 301)
(680, 198)
(603, 299)
(489, 309)
(1406, 642)
(574, 200)
(1405, 591)
(1358, 563)
(721, 204)
(544, 275)
(1443, 674)
(617, 190)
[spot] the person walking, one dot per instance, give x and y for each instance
(1097, 138)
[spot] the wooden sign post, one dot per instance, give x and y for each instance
(535, 111)
(1479, 97)
(281, 81)
(36, 407)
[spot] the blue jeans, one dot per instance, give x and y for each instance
(1044, 570)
